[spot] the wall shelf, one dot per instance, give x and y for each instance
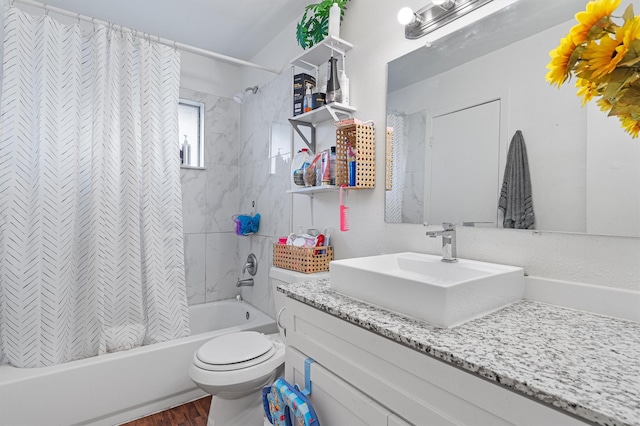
(319, 53)
(334, 111)
(310, 190)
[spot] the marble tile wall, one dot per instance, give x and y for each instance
(263, 176)
(210, 199)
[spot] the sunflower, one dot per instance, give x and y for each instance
(587, 89)
(629, 32)
(604, 55)
(596, 11)
(630, 125)
(559, 65)
(604, 104)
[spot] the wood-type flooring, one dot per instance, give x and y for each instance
(194, 413)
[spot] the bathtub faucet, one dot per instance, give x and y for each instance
(251, 266)
(244, 283)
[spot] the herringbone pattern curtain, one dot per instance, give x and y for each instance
(91, 250)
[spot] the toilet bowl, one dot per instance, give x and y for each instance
(235, 367)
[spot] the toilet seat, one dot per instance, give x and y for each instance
(234, 351)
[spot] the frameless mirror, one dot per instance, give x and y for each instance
(454, 106)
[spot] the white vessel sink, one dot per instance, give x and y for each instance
(424, 287)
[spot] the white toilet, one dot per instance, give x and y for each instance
(235, 367)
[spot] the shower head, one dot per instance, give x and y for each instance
(239, 97)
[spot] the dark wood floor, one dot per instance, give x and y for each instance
(194, 413)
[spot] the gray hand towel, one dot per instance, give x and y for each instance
(515, 196)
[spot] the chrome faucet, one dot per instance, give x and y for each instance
(245, 283)
(448, 235)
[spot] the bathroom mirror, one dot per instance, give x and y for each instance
(453, 107)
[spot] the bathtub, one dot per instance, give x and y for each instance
(122, 386)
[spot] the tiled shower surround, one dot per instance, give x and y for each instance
(247, 157)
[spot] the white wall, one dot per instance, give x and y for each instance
(377, 37)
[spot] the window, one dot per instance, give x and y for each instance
(191, 130)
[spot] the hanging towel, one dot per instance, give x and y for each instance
(515, 196)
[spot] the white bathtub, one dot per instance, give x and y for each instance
(118, 387)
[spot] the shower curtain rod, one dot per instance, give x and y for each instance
(181, 46)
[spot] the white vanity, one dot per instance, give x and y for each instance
(527, 364)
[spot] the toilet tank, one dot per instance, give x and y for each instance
(278, 276)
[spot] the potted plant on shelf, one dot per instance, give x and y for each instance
(314, 25)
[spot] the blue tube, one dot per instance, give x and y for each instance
(352, 173)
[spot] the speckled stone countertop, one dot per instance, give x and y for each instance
(582, 363)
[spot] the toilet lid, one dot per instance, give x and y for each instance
(234, 351)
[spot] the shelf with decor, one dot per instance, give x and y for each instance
(361, 138)
(311, 59)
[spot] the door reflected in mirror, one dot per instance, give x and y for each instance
(453, 107)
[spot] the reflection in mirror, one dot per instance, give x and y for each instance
(453, 107)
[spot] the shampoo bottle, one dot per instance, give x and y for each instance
(186, 152)
(334, 21)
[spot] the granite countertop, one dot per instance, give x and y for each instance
(582, 363)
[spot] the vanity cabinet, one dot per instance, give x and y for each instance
(410, 385)
(335, 401)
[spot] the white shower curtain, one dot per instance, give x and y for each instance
(91, 245)
(394, 196)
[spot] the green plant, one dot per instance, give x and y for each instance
(314, 25)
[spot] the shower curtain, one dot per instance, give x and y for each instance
(394, 197)
(91, 245)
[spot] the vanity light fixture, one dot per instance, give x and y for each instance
(445, 4)
(436, 14)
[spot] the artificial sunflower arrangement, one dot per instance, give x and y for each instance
(604, 56)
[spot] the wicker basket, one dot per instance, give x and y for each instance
(306, 260)
(363, 141)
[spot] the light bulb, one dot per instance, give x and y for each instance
(406, 16)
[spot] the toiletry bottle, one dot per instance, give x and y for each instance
(344, 87)
(332, 165)
(298, 165)
(351, 160)
(334, 94)
(334, 21)
(326, 170)
(327, 236)
(308, 99)
(186, 152)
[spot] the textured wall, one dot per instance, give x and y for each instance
(263, 176)
(209, 199)
(377, 37)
